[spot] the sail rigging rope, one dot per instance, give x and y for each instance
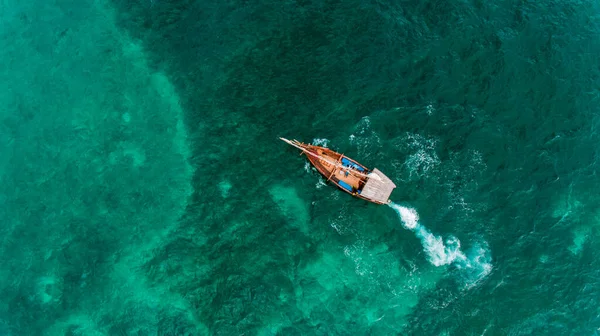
(296, 144)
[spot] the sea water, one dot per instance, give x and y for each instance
(143, 188)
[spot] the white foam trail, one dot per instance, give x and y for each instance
(408, 216)
(440, 253)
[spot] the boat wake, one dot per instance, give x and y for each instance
(476, 262)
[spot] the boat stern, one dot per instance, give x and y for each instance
(378, 187)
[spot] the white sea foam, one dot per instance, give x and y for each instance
(476, 262)
(429, 109)
(408, 216)
(320, 183)
(363, 125)
(423, 157)
(438, 252)
(307, 167)
(320, 142)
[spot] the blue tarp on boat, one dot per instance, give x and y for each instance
(345, 185)
(349, 163)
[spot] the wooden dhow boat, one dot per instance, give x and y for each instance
(349, 175)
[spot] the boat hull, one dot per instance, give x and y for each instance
(347, 174)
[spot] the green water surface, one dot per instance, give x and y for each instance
(144, 191)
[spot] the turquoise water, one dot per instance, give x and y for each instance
(144, 191)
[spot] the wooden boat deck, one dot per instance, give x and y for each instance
(336, 173)
(352, 180)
